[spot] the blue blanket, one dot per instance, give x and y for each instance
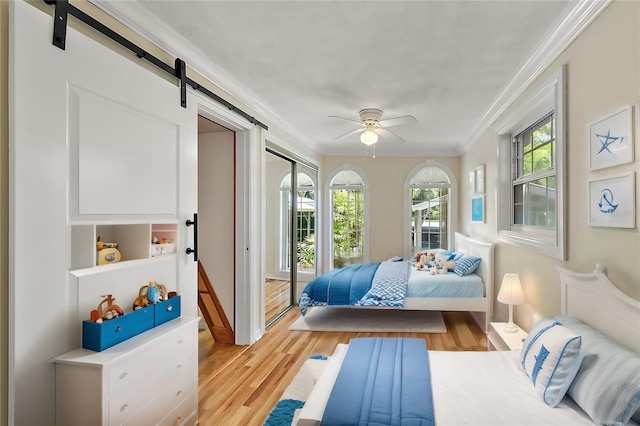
(366, 284)
(382, 381)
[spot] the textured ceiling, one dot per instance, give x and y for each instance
(444, 62)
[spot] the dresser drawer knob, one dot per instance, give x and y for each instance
(124, 407)
(179, 392)
(123, 375)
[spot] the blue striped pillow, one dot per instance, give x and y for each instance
(551, 358)
(466, 265)
(607, 386)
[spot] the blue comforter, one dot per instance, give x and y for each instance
(382, 381)
(365, 284)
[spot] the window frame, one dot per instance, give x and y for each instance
(551, 96)
(453, 203)
(329, 216)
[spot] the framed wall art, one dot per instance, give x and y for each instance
(611, 139)
(476, 180)
(612, 201)
(477, 208)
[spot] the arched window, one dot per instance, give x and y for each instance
(305, 222)
(430, 195)
(347, 217)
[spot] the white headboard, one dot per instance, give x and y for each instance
(592, 298)
(482, 250)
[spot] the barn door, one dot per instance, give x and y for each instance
(98, 145)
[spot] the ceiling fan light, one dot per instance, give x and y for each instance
(369, 137)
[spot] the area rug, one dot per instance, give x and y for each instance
(286, 411)
(370, 320)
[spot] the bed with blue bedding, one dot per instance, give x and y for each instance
(387, 381)
(398, 394)
(398, 284)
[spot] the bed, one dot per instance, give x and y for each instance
(347, 286)
(495, 388)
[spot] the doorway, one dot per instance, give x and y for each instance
(216, 220)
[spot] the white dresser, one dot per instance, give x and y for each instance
(149, 379)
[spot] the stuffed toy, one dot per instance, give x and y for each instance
(449, 265)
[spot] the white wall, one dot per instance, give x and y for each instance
(603, 75)
(216, 214)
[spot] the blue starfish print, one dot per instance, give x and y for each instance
(607, 140)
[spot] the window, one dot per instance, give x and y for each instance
(347, 216)
(305, 222)
(531, 147)
(430, 192)
(534, 183)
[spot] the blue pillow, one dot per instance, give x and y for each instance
(607, 386)
(466, 265)
(551, 358)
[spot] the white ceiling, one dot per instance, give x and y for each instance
(297, 62)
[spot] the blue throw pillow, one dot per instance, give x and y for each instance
(607, 385)
(551, 358)
(466, 265)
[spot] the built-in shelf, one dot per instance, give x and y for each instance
(135, 242)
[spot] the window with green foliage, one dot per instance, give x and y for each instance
(531, 177)
(534, 183)
(347, 201)
(305, 221)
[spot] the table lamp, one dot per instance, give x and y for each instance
(511, 293)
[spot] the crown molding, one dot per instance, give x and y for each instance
(556, 41)
(156, 31)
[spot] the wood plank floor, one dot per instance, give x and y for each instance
(238, 385)
(277, 298)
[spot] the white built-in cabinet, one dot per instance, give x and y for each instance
(147, 380)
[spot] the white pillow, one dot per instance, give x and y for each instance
(607, 386)
(551, 358)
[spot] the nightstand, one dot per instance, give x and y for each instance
(500, 340)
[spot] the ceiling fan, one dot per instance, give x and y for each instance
(372, 126)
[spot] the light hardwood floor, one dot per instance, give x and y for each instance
(277, 298)
(239, 385)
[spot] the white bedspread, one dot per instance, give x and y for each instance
(469, 388)
(489, 388)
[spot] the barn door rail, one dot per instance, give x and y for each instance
(179, 70)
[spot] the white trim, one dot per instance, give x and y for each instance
(247, 328)
(550, 96)
(453, 203)
(583, 13)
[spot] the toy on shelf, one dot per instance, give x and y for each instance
(150, 294)
(106, 310)
(107, 252)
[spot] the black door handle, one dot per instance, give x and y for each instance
(194, 250)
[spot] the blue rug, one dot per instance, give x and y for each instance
(292, 400)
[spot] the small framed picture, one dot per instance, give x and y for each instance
(476, 180)
(477, 208)
(611, 139)
(612, 201)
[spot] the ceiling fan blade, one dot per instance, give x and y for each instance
(388, 135)
(346, 119)
(349, 133)
(398, 121)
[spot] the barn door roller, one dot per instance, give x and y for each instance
(179, 70)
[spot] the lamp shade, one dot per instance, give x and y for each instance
(369, 137)
(511, 290)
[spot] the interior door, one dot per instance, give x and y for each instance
(95, 139)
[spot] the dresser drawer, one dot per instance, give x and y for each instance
(129, 402)
(184, 414)
(131, 370)
(172, 396)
